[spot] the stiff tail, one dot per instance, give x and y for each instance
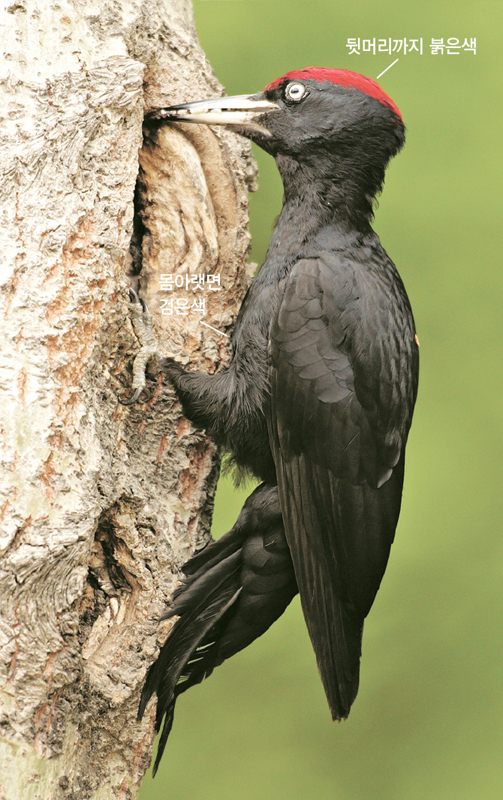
(234, 590)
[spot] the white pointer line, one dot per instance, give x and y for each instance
(215, 329)
(387, 68)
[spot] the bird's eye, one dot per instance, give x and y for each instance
(295, 92)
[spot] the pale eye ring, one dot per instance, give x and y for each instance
(295, 92)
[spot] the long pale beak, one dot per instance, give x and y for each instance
(242, 110)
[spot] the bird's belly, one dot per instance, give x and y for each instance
(251, 452)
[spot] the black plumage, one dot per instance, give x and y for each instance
(316, 401)
(234, 590)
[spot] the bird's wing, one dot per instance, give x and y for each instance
(343, 380)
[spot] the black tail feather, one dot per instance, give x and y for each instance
(203, 604)
(171, 683)
(210, 555)
(234, 590)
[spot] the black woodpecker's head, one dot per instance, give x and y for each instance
(331, 128)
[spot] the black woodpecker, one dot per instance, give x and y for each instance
(317, 398)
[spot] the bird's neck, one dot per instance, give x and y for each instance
(313, 203)
(327, 191)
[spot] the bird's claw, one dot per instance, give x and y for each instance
(130, 401)
(135, 298)
(142, 324)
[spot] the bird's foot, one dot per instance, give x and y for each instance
(142, 324)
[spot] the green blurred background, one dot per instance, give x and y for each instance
(428, 719)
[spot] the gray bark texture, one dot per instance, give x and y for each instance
(100, 504)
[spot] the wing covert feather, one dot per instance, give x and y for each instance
(342, 395)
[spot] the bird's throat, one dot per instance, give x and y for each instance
(334, 194)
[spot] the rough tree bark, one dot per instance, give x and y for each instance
(100, 504)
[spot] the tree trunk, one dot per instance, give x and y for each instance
(101, 504)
